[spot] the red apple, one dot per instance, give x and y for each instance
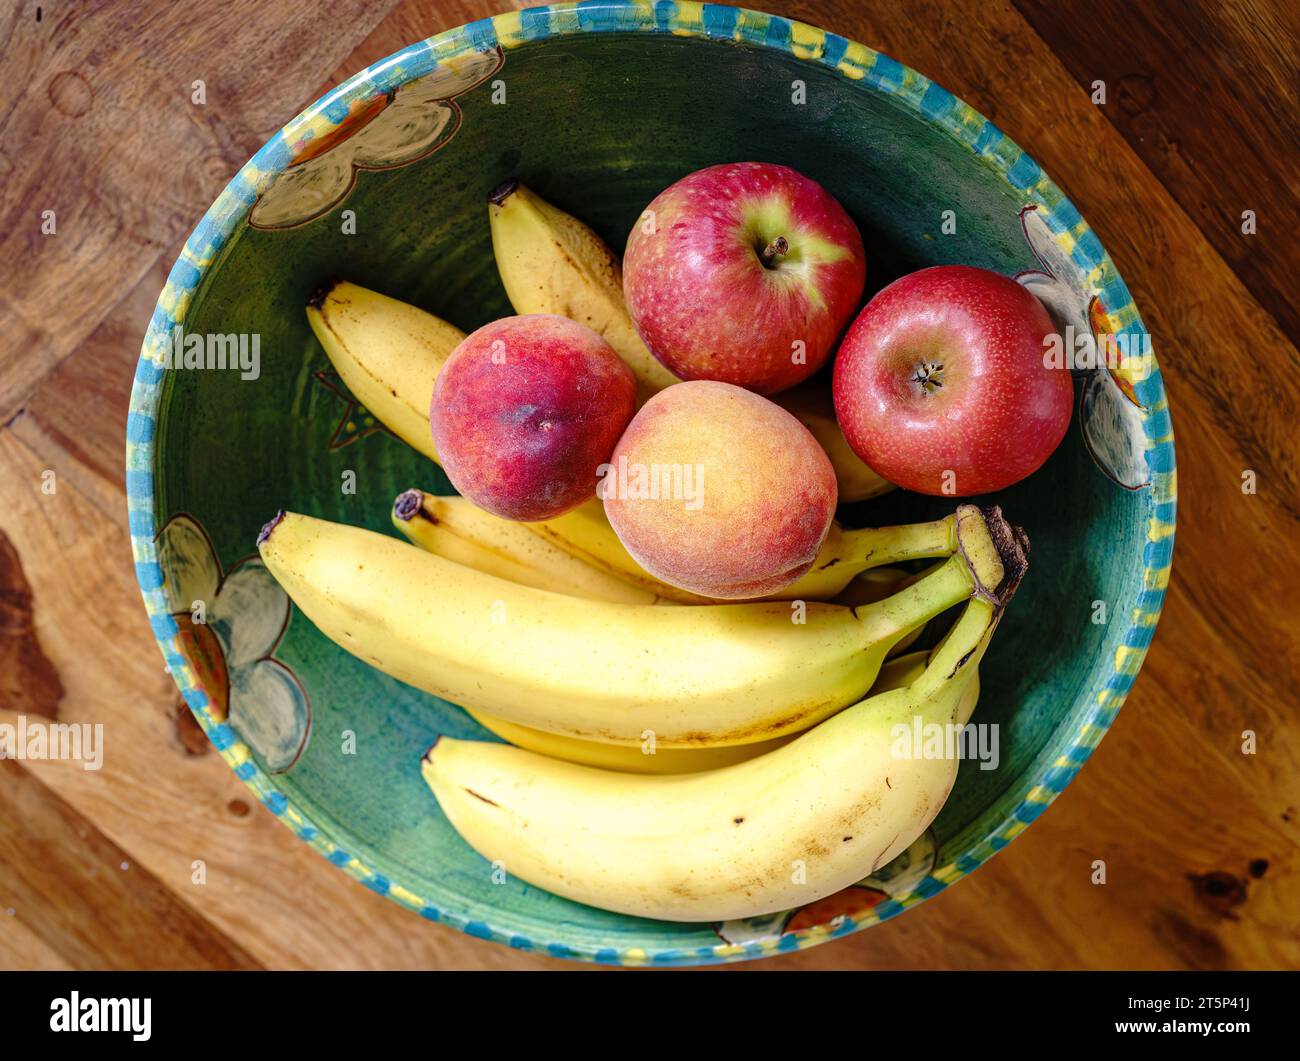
(941, 384)
(744, 273)
(525, 412)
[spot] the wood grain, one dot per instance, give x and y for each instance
(80, 892)
(1201, 842)
(1234, 69)
(100, 94)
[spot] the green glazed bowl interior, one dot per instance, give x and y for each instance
(598, 107)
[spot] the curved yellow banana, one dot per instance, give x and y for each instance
(456, 529)
(710, 675)
(550, 262)
(387, 352)
(631, 759)
(599, 568)
(895, 674)
(874, 585)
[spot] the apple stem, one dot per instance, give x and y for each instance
(773, 250)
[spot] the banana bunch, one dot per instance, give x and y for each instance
(709, 675)
(777, 831)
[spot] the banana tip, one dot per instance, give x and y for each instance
(503, 191)
(407, 504)
(429, 750)
(269, 526)
(317, 298)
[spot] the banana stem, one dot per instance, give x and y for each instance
(877, 546)
(962, 647)
(888, 620)
(995, 555)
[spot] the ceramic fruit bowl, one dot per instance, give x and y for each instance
(597, 107)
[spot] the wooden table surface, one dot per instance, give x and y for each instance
(1201, 841)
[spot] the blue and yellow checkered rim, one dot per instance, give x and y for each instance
(872, 71)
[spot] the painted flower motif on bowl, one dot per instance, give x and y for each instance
(1111, 417)
(229, 624)
(384, 132)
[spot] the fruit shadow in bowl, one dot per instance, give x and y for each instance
(606, 105)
